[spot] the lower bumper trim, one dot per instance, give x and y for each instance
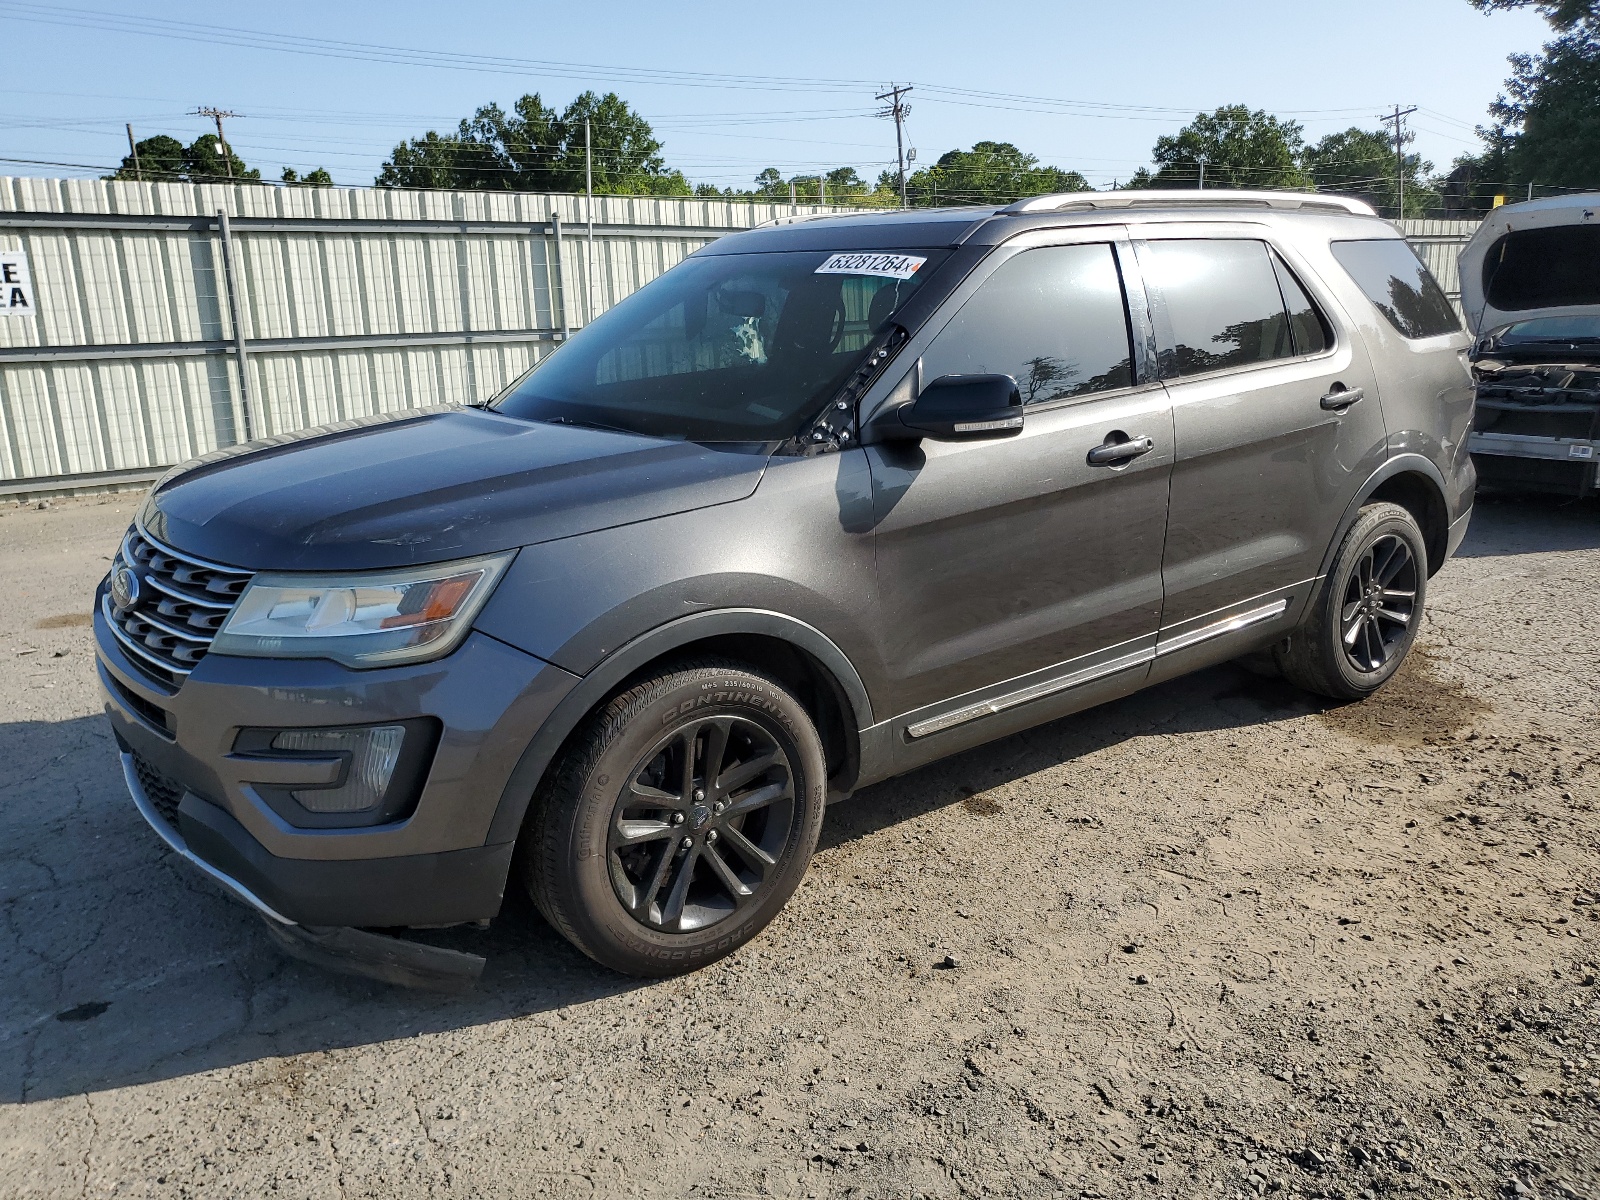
(378, 956)
(175, 841)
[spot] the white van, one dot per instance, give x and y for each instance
(1530, 287)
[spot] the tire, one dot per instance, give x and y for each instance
(1364, 620)
(637, 860)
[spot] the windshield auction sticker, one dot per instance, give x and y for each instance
(894, 266)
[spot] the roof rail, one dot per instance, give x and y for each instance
(1190, 198)
(802, 218)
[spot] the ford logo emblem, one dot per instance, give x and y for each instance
(124, 589)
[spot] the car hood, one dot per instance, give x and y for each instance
(428, 486)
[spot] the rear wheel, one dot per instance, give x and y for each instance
(1364, 620)
(679, 821)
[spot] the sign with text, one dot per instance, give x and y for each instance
(16, 287)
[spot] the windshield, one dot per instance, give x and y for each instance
(1579, 328)
(734, 347)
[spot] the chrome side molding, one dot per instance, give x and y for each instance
(1037, 691)
(1083, 675)
(1227, 625)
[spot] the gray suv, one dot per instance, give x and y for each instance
(829, 500)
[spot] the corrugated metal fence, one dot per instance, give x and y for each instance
(348, 302)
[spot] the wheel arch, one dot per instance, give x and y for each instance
(796, 654)
(1417, 485)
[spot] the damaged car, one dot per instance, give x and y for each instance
(830, 500)
(1530, 283)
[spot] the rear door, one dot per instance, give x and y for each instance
(1013, 561)
(1265, 465)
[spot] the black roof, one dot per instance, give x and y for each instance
(887, 230)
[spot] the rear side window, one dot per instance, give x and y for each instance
(1052, 318)
(1544, 268)
(1395, 280)
(1223, 302)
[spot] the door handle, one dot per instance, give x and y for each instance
(1341, 398)
(1109, 452)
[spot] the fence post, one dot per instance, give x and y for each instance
(561, 276)
(238, 325)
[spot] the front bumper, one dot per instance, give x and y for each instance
(353, 951)
(434, 866)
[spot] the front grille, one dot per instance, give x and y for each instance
(183, 601)
(163, 792)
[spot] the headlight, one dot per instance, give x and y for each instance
(367, 619)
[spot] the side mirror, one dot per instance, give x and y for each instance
(956, 408)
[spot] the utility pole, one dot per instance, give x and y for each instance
(1398, 117)
(822, 190)
(1202, 175)
(899, 110)
(217, 114)
(134, 151)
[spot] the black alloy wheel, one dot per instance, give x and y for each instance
(1380, 600)
(678, 820)
(1360, 624)
(701, 824)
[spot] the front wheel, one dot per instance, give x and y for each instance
(1365, 618)
(679, 821)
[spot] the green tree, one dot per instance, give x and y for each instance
(204, 162)
(316, 178)
(166, 159)
(160, 159)
(533, 148)
(989, 173)
(1545, 127)
(1549, 118)
(626, 152)
(1361, 163)
(1474, 181)
(1241, 149)
(1562, 14)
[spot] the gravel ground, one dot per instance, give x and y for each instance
(1214, 939)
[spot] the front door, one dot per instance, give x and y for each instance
(1002, 558)
(1265, 468)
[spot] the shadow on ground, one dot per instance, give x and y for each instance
(1506, 523)
(122, 966)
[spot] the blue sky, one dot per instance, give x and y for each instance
(1084, 86)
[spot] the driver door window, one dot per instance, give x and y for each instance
(1054, 319)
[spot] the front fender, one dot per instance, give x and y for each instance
(607, 675)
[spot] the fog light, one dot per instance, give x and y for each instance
(372, 752)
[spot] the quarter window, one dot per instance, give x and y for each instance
(1223, 302)
(1395, 280)
(1052, 318)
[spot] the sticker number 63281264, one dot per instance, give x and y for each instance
(894, 266)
